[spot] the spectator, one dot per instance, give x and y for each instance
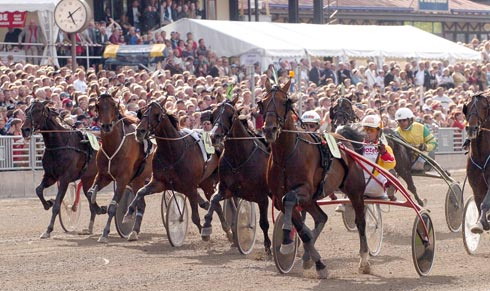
(30, 35)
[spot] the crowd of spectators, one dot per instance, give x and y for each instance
(193, 79)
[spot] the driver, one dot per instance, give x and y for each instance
(381, 154)
(311, 121)
(415, 134)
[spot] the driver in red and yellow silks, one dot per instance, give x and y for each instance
(378, 153)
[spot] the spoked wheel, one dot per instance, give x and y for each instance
(245, 227)
(177, 219)
(471, 216)
(454, 207)
(374, 228)
(163, 206)
(228, 205)
(124, 229)
(423, 246)
(284, 262)
(71, 207)
(349, 217)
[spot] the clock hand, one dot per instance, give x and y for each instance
(76, 10)
(71, 16)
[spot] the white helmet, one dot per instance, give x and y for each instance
(311, 116)
(372, 121)
(403, 113)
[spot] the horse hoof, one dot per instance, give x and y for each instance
(268, 253)
(477, 228)
(322, 273)
(45, 235)
(85, 231)
(133, 236)
(205, 237)
(206, 231)
(366, 269)
(308, 264)
(287, 249)
(102, 210)
(229, 235)
(102, 239)
(49, 204)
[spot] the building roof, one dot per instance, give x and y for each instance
(455, 6)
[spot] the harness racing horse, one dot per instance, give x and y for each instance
(67, 158)
(178, 163)
(477, 113)
(121, 159)
(298, 176)
(242, 166)
(343, 115)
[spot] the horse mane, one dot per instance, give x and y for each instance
(173, 120)
(351, 134)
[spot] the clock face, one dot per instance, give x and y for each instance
(71, 15)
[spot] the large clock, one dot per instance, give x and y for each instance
(72, 15)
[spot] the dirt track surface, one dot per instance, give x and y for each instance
(73, 262)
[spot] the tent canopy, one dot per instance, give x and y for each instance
(278, 40)
(28, 5)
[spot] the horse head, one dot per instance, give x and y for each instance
(153, 119)
(275, 108)
(221, 117)
(36, 116)
(477, 113)
(342, 113)
(109, 111)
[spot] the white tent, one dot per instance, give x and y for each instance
(45, 9)
(286, 40)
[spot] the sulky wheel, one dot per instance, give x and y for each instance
(374, 228)
(229, 207)
(71, 207)
(471, 216)
(423, 246)
(284, 263)
(349, 217)
(124, 229)
(245, 227)
(177, 219)
(454, 207)
(163, 206)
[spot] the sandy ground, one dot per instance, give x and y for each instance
(74, 262)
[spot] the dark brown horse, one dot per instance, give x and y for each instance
(121, 159)
(298, 176)
(67, 158)
(178, 163)
(242, 166)
(342, 114)
(477, 113)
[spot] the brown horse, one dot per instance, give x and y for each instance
(121, 159)
(178, 163)
(66, 159)
(342, 115)
(242, 166)
(477, 113)
(298, 176)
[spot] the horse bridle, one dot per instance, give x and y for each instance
(151, 129)
(116, 108)
(280, 119)
(345, 115)
(473, 110)
(219, 121)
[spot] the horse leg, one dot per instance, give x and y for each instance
(153, 187)
(207, 228)
(56, 208)
(264, 225)
(482, 199)
(99, 183)
(306, 236)
(46, 182)
(320, 218)
(120, 188)
(358, 205)
(94, 208)
(407, 176)
(193, 201)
